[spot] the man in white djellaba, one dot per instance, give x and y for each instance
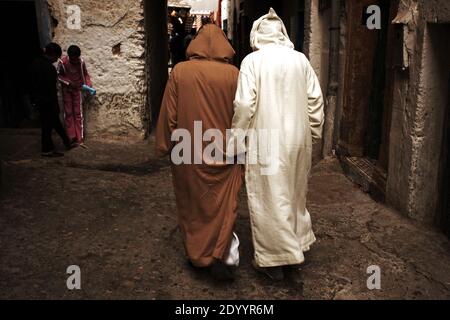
(278, 92)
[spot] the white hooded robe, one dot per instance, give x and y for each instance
(278, 91)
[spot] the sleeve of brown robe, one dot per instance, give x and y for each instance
(167, 121)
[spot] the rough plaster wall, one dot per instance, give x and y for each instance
(342, 61)
(230, 30)
(232, 6)
(436, 11)
(118, 112)
(419, 102)
(317, 37)
(316, 48)
(400, 149)
(428, 126)
(398, 189)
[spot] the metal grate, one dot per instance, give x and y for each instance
(366, 174)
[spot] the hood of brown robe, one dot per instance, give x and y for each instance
(210, 43)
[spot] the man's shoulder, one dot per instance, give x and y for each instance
(293, 53)
(180, 67)
(189, 65)
(250, 59)
(302, 56)
(252, 55)
(272, 53)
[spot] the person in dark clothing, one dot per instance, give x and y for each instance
(45, 98)
(188, 39)
(206, 20)
(177, 40)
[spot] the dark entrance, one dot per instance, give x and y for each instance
(157, 54)
(435, 158)
(445, 194)
(377, 128)
(20, 45)
(366, 118)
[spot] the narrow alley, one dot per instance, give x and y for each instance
(362, 86)
(111, 210)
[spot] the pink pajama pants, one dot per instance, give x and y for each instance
(73, 111)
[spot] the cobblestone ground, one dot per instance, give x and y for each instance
(110, 209)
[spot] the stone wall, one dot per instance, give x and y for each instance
(435, 11)
(112, 40)
(316, 48)
(317, 35)
(418, 94)
(419, 103)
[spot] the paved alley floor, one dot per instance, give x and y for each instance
(110, 209)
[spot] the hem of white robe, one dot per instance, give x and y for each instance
(265, 261)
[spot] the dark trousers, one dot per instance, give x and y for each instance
(49, 122)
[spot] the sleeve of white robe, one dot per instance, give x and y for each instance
(244, 108)
(315, 103)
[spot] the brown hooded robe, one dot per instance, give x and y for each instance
(202, 89)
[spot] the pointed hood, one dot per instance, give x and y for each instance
(210, 43)
(269, 29)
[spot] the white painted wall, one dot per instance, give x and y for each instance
(199, 5)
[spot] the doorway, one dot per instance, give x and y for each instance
(157, 55)
(379, 111)
(20, 37)
(367, 105)
(445, 189)
(438, 104)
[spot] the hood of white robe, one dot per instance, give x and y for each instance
(269, 29)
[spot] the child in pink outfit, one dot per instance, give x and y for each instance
(73, 75)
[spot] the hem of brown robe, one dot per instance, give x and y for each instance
(217, 254)
(161, 153)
